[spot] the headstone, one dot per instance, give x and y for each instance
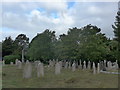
(98, 68)
(60, 62)
(116, 64)
(80, 65)
(19, 64)
(105, 63)
(84, 65)
(66, 65)
(73, 67)
(89, 65)
(57, 68)
(69, 64)
(16, 62)
(27, 71)
(40, 70)
(94, 68)
(11, 63)
(50, 63)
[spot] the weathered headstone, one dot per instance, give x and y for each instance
(11, 63)
(98, 68)
(80, 65)
(69, 64)
(84, 65)
(40, 70)
(73, 67)
(66, 65)
(19, 64)
(94, 68)
(60, 62)
(116, 64)
(50, 63)
(16, 62)
(89, 65)
(27, 71)
(57, 68)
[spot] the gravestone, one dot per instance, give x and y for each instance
(16, 62)
(57, 68)
(80, 65)
(84, 65)
(66, 65)
(40, 70)
(19, 64)
(50, 63)
(116, 64)
(94, 68)
(89, 65)
(98, 68)
(73, 67)
(69, 65)
(11, 63)
(27, 71)
(60, 62)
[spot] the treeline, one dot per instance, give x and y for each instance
(85, 43)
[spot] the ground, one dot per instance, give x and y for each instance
(12, 78)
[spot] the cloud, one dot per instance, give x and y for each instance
(34, 17)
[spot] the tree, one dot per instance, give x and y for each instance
(86, 43)
(116, 28)
(21, 42)
(42, 46)
(7, 46)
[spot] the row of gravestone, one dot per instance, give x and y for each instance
(27, 69)
(104, 65)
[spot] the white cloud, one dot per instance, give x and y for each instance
(27, 18)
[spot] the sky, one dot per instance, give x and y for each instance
(31, 18)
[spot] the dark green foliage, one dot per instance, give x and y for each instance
(42, 46)
(20, 43)
(86, 43)
(11, 58)
(116, 28)
(7, 46)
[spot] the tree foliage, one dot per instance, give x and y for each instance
(42, 46)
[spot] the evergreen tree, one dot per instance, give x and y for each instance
(7, 46)
(116, 28)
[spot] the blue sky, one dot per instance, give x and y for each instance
(31, 18)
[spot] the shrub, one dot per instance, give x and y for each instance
(11, 58)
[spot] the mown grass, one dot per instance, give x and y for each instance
(12, 78)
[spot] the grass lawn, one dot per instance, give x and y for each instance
(12, 78)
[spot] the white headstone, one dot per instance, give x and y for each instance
(66, 65)
(89, 65)
(69, 65)
(57, 68)
(40, 70)
(16, 62)
(60, 62)
(80, 65)
(73, 67)
(11, 63)
(84, 65)
(19, 64)
(94, 68)
(27, 71)
(98, 68)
